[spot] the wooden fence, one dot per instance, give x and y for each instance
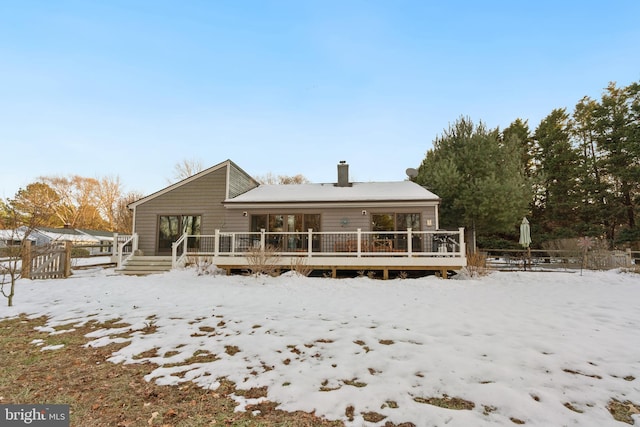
(510, 259)
(51, 261)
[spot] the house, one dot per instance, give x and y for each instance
(223, 212)
(95, 241)
(14, 238)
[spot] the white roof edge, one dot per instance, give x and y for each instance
(333, 203)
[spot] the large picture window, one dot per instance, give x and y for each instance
(171, 227)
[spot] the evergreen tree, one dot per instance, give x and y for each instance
(479, 177)
(558, 193)
(617, 122)
(594, 213)
(519, 130)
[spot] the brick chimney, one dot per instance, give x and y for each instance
(343, 174)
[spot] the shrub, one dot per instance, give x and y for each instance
(79, 252)
(299, 265)
(263, 261)
(477, 264)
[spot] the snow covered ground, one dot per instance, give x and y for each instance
(522, 346)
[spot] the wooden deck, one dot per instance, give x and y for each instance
(385, 252)
(336, 264)
(330, 252)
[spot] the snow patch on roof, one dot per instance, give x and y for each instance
(358, 191)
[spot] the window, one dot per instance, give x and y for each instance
(171, 227)
(408, 220)
(258, 222)
(288, 223)
(382, 222)
(387, 223)
(285, 222)
(395, 222)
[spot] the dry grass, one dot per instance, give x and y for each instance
(447, 402)
(263, 261)
(102, 394)
(299, 265)
(477, 264)
(622, 411)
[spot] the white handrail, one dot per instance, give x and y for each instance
(356, 243)
(133, 239)
(174, 250)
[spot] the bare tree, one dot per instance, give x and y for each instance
(270, 178)
(109, 194)
(185, 169)
(78, 200)
(123, 219)
(20, 216)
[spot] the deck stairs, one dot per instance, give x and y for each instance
(139, 265)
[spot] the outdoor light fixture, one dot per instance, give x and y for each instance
(364, 212)
(244, 213)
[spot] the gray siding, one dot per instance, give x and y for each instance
(239, 182)
(202, 196)
(331, 218)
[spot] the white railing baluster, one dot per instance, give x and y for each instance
(395, 244)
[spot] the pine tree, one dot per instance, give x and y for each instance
(595, 215)
(617, 122)
(479, 178)
(557, 197)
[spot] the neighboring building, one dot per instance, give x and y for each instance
(13, 238)
(95, 241)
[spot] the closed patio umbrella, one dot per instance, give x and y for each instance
(525, 233)
(525, 238)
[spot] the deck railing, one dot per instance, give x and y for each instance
(124, 245)
(349, 244)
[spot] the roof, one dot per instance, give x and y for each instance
(72, 234)
(13, 235)
(399, 191)
(185, 181)
(96, 233)
(62, 234)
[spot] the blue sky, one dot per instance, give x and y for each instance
(130, 88)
